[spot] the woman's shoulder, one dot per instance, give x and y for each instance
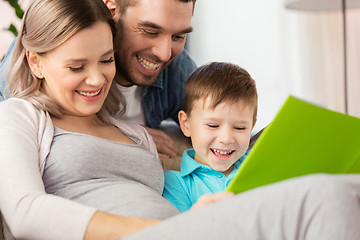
(17, 103)
(22, 114)
(21, 108)
(14, 101)
(20, 118)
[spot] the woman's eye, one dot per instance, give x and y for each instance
(77, 69)
(110, 60)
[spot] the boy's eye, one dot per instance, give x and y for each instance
(240, 128)
(110, 60)
(77, 69)
(212, 125)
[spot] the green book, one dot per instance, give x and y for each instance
(302, 139)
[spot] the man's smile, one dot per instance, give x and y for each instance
(147, 64)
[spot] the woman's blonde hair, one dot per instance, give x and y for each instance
(46, 25)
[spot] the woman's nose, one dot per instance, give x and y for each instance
(95, 78)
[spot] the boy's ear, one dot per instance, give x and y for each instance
(253, 124)
(184, 123)
(34, 62)
(112, 6)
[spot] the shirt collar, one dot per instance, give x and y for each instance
(159, 83)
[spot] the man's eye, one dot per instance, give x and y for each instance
(179, 37)
(77, 69)
(150, 33)
(110, 60)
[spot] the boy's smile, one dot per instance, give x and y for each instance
(222, 155)
(219, 136)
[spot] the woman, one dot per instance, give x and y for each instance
(59, 128)
(71, 171)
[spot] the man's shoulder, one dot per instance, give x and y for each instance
(179, 69)
(4, 69)
(183, 60)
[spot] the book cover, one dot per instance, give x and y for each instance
(302, 139)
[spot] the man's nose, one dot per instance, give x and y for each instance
(162, 48)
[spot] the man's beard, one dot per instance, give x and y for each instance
(124, 72)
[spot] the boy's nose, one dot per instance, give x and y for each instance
(226, 136)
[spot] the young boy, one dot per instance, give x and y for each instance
(220, 109)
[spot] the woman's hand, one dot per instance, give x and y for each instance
(108, 226)
(207, 199)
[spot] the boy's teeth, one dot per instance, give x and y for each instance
(223, 152)
(148, 65)
(87, 94)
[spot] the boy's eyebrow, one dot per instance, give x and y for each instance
(155, 26)
(75, 60)
(217, 118)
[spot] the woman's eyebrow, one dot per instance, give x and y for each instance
(108, 52)
(75, 60)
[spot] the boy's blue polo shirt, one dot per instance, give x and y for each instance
(183, 188)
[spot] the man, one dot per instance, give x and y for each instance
(152, 63)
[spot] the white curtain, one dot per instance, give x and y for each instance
(353, 43)
(322, 58)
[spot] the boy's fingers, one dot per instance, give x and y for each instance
(211, 198)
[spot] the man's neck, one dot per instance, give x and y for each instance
(122, 82)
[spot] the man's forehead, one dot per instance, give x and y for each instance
(167, 14)
(145, 3)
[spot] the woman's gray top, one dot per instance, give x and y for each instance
(122, 179)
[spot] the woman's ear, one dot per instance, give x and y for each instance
(184, 123)
(112, 6)
(34, 62)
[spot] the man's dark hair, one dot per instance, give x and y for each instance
(124, 4)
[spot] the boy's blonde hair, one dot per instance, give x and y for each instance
(222, 82)
(46, 25)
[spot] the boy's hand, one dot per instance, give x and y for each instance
(164, 144)
(207, 199)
